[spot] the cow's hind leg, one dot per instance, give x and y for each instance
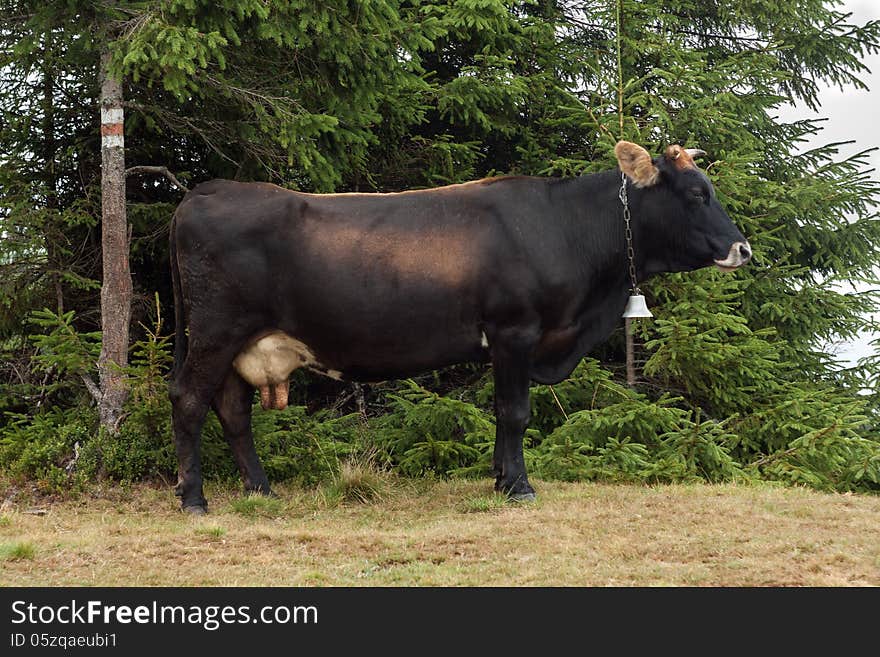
(233, 403)
(191, 393)
(188, 409)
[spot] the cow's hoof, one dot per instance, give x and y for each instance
(195, 509)
(518, 491)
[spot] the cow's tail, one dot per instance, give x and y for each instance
(181, 340)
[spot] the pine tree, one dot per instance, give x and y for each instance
(751, 349)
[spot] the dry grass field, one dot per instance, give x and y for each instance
(433, 533)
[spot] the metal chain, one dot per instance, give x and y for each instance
(630, 252)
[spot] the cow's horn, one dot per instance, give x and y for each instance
(695, 152)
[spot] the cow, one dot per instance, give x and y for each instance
(525, 273)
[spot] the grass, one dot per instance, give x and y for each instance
(257, 506)
(358, 483)
(454, 533)
(212, 533)
(485, 503)
(17, 551)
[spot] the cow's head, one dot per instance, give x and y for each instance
(679, 222)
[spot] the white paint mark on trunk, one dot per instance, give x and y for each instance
(111, 115)
(113, 141)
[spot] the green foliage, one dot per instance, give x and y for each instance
(425, 432)
(814, 435)
(588, 387)
(609, 442)
(698, 329)
(38, 445)
(308, 448)
(62, 347)
(143, 446)
(697, 451)
(282, 84)
(63, 357)
(41, 446)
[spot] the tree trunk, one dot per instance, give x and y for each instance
(116, 286)
(52, 258)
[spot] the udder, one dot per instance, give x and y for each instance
(267, 362)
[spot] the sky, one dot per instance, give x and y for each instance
(852, 114)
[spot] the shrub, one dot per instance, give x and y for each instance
(427, 432)
(43, 446)
(638, 440)
(586, 428)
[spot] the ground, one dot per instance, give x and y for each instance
(446, 533)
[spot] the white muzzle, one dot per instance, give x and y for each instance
(740, 253)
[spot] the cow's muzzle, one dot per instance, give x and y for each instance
(740, 253)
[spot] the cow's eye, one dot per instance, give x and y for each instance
(697, 194)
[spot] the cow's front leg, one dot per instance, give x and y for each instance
(512, 410)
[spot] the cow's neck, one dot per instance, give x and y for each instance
(594, 224)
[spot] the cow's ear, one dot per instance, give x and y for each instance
(636, 163)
